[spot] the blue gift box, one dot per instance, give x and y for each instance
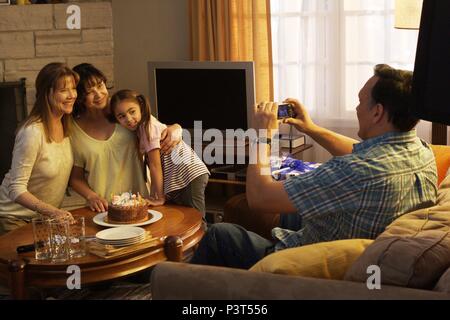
(290, 167)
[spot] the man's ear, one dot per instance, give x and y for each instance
(378, 112)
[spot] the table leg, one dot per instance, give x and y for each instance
(173, 248)
(17, 271)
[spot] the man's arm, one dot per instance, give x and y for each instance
(334, 143)
(263, 193)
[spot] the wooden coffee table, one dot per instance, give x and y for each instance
(180, 229)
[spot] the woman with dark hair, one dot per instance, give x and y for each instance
(42, 157)
(106, 158)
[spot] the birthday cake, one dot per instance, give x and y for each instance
(127, 208)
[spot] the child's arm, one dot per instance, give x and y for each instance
(156, 174)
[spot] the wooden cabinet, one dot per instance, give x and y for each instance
(13, 109)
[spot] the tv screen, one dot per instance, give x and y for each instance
(220, 94)
(431, 83)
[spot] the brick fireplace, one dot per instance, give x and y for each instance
(33, 35)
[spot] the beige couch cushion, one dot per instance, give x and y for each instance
(414, 261)
(326, 260)
(414, 250)
(444, 192)
(443, 284)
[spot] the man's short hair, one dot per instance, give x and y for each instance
(393, 91)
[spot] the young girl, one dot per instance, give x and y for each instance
(179, 176)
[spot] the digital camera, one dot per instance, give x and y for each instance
(285, 110)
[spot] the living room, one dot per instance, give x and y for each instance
(121, 37)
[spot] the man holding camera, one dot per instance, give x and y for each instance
(356, 194)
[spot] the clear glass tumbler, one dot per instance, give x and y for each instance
(60, 240)
(77, 237)
(42, 238)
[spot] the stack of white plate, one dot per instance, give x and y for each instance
(121, 236)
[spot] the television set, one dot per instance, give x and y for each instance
(220, 94)
(431, 84)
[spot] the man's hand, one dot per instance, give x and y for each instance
(334, 143)
(170, 137)
(302, 122)
(265, 117)
(97, 203)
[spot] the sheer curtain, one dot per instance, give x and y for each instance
(325, 50)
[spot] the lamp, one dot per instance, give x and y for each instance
(407, 14)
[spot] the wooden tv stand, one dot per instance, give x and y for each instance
(227, 181)
(236, 173)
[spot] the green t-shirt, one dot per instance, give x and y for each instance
(112, 166)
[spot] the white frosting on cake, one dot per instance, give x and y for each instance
(127, 199)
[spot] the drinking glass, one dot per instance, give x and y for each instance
(60, 240)
(77, 237)
(42, 238)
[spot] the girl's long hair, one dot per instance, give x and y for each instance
(46, 84)
(137, 98)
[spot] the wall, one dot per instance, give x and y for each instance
(147, 30)
(33, 35)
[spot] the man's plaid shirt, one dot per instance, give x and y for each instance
(359, 194)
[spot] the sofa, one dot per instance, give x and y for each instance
(409, 260)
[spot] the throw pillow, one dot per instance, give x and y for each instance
(327, 260)
(415, 261)
(443, 284)
(442, 156)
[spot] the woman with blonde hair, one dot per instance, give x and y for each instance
(42, 157)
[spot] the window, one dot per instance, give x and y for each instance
(325, 50)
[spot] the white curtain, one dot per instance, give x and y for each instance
(325, 50)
